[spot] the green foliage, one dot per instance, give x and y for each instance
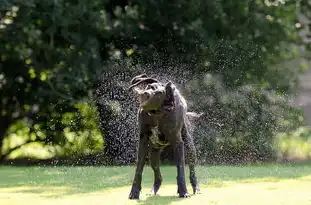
(294, 145)
(40, 46)
(81, 136)
(24, 141)
(239, 124)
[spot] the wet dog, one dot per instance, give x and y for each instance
(163, 120)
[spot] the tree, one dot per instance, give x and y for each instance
(40, 45)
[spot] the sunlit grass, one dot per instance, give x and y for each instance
(260, 184)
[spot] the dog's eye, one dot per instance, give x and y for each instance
(152, 87)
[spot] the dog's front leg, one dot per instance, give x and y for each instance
(142, 151)
(180, 163)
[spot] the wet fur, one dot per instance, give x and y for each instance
(168, 124)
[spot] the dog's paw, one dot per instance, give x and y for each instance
(152, 193)
(185, 195)
(134, 194)
(197, 190)
(156, 187)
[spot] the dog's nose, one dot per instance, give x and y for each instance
(146, 95)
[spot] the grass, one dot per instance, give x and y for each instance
(230, 185)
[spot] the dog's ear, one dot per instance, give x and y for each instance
(169, 89)
(169, 102)
(137, 78)
(136, 81)
(138, 90)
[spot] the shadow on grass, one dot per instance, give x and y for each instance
(72, 180)
(160, 200)
(62, 181)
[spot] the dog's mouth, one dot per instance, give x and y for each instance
(153, 111)
(152, 102)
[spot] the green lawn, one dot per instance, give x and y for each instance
(234, 185)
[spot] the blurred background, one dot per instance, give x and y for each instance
(66, 65)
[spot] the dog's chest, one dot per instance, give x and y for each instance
(157, 139)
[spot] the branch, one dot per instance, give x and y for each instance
(2, 157)
(64, 96)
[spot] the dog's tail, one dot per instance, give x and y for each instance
(194, 114)
(190, 117)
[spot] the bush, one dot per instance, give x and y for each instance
(239, 124)
(295, 145)
(81, 136)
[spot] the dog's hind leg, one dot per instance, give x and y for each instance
(155, 165)
(193, 177)
(179, 157)
(191, 159)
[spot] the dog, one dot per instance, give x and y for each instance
(163, 120)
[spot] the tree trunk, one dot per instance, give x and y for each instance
(4, 125)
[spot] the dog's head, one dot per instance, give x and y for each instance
(152, 94)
